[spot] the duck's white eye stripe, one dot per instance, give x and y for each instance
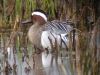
(40, 14)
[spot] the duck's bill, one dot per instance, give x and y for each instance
(26, 21)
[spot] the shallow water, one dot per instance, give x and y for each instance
(26, 67)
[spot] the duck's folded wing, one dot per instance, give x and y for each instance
(58, 27)
(55, 30)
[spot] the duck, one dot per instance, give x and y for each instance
(44, 34)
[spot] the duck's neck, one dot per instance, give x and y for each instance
(36, 25)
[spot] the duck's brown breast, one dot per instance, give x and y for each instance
(34, 35)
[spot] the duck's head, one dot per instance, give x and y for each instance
(37, 16)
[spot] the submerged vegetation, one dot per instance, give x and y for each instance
(83, 13)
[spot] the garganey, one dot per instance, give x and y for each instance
(43, 33)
